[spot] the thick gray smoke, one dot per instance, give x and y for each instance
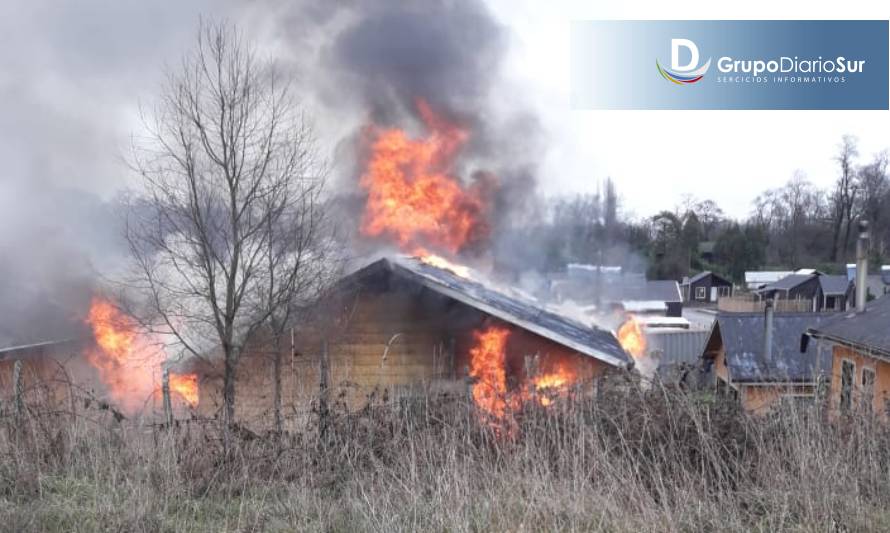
(51, 239)
(382, 57)
(73, 76)
(445, 53)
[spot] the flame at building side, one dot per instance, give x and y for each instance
(488, 366)
(129, 363)
(632, 338)
(555, 381)
(186, 387)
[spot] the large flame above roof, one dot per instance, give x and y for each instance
(414, 197)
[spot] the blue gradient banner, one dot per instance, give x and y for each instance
(730, 64)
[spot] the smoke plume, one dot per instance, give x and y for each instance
(378, 59)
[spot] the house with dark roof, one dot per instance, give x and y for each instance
(758, 279)
(860, 351)
(705, 288)
(756, 357)
(399, 326)
(800, 287)
(837, 293)
(821, 292)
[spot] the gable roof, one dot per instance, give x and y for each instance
(789, 282)
(702, 275)
(742, 335)
(834, 285)
(869, 330)
(765, 276)
(38, 349)
(698, 277)
(505, 303)
(641, 290)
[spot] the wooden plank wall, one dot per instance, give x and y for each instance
(426, 343)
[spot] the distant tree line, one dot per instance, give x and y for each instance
(793, 226)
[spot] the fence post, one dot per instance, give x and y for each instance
(452, 362)
(165, 393)
(18, 401)
(323, 377)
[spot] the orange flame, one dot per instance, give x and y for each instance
(412, 197)
(129, 363)
(186, 387)
(441, 262)
(488, 366)
(632, 338)
(553, 382)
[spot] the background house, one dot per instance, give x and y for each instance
(860, 349)
(758, 279)
(805, 287)
(676, 351)
(739, 361)
(705, 287)
(837, 293)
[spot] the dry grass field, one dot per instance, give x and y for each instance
(627, 460)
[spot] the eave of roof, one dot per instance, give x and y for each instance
(34, 349)
(872, 351)
(408, 270)
(789, 282)
(868, 331)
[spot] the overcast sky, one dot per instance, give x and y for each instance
(72, 74)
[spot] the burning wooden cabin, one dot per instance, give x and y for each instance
(404, 326)
(117, 367)
(43, 373)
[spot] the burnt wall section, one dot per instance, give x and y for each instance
(385, 340)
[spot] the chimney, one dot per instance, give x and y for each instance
(768, 330)
(862, 266)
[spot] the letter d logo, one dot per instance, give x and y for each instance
(683, 74)
(675, 55)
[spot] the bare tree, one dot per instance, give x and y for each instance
(579, 218)
(228, 236)
(844, 197)
(792, 215)
(800, 203)
(875, 193)
(302, 261)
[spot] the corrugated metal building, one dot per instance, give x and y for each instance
(675, 349)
